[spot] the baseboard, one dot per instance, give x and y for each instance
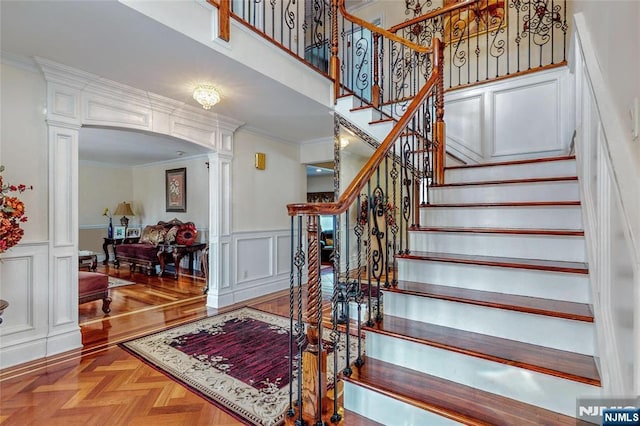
(23, 352)
(220, 300)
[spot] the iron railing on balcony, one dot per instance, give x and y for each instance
(303, 28)
(490, 39)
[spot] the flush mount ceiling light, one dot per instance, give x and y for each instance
(344, 142)
(206, 95)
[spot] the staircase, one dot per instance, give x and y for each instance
(490, 321)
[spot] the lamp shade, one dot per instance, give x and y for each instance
(124, 209)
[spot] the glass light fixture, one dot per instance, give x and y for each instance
(206, 95)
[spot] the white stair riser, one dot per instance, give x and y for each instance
(528, 386)
(362, 118)
(512, 171)
(547, 247)
(511, 192)
(534, 217)
(568, 335)
(524, 282)
(387, 410)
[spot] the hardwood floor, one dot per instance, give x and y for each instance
(103, 385)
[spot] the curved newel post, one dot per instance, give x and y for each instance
(439, 128)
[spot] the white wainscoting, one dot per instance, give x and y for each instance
(259, 264)
(609, 182)
(484, 123)
(26, 333)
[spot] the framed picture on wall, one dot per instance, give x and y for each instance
(176, 190)
(118, 232)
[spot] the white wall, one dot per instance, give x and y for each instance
(609, 179)
(23, 143)
(616, 41)
(260, 197)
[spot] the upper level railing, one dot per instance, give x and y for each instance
(491, 39)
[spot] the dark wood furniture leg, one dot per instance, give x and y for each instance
(105, 247)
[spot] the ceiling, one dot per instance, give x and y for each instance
(113, 41)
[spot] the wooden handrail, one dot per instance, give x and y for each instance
(432, 14)
(388, 34)
(352, 191)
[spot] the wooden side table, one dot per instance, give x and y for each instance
(177, 252)
(113, 242)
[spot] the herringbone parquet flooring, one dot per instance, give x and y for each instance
(102, 384)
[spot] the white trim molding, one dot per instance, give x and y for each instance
(609, 181)
(256, 263)
(484, 122)
(76, 98)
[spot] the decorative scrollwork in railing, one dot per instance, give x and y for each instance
(487, 39)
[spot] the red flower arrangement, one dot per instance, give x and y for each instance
(11, 214)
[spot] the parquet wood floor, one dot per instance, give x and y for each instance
(103, 385)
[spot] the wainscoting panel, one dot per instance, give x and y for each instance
(64, 307)
(609, 182)
(515, 109)
(260, 265)
(465, 135)
(484, 122)
(23, 283)
(254, 258)
(283, 254)
(64, 176)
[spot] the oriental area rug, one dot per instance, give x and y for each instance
(238, 360)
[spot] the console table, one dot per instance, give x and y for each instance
(113, 242)
(177, 252)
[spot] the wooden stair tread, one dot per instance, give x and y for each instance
(449, 399)
(514, 162)
(533, 305)
(567, 365)
(508, 181)
(354, 419)
(516, 231)
(505, 262)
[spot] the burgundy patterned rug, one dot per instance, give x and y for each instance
(238, 360)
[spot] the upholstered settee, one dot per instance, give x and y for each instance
(152, 248)
(94, 286)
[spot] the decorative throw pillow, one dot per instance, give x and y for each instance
(171, 234)
(153, 234)
(186, 234)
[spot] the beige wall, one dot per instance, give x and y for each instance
(149, 202)
(23, 143)
(102, 186)
(260, 197)
(322, 183)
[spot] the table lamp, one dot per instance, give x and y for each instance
(124, 209)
